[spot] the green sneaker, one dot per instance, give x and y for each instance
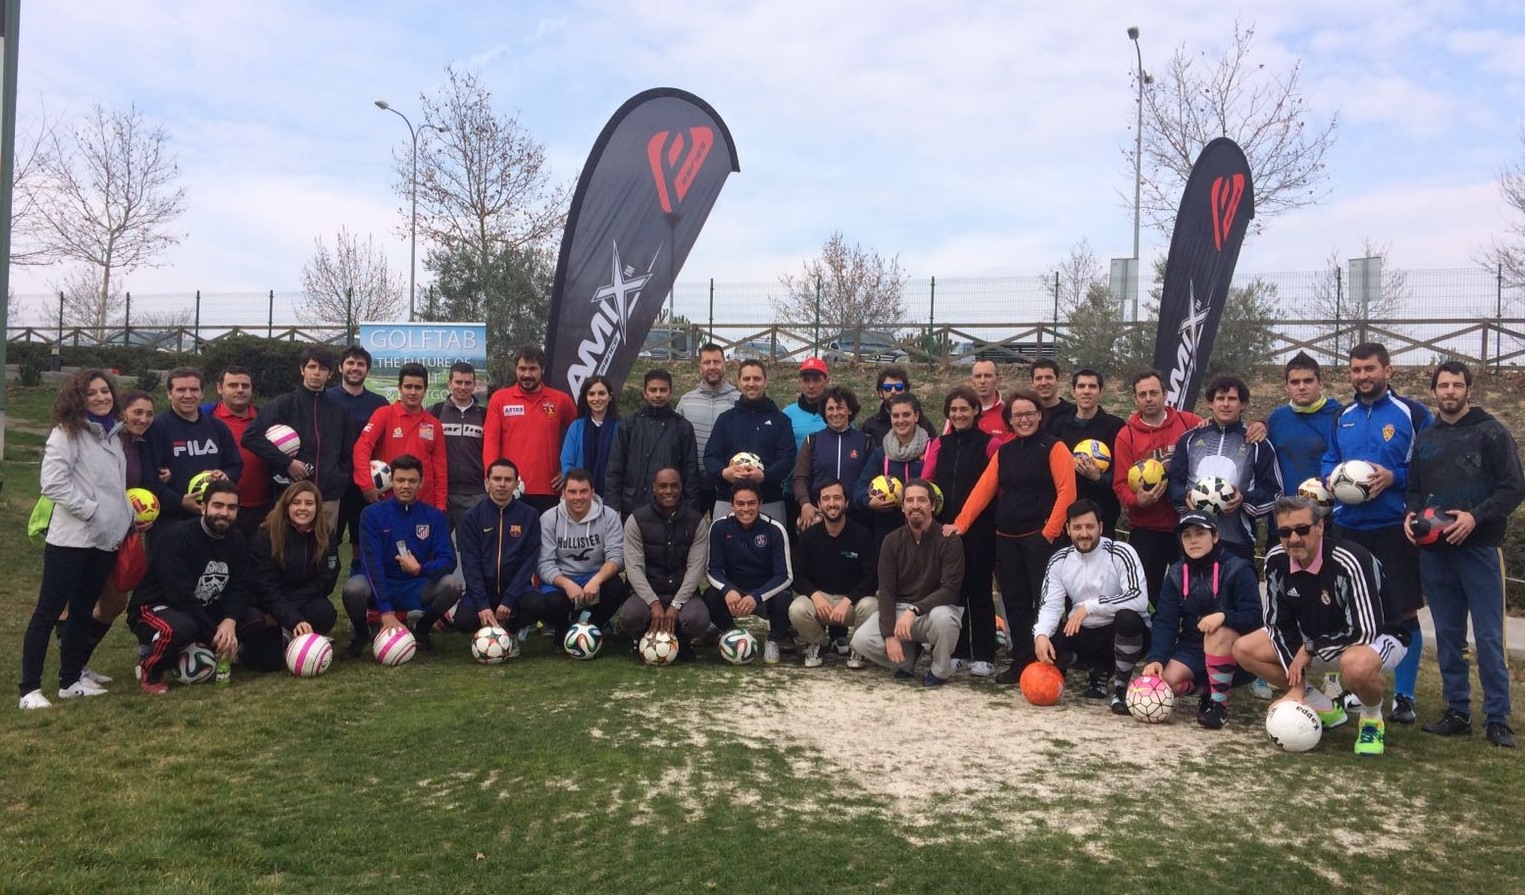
(1334, 717)
(1370, 739)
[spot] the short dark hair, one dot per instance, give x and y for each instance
(503, 461)
(218, 486)
(1303, 361)
(745, 486)
(1369, 350)
(892, 371)
(1020, 394)
(407, 461)
(1101, 381)
(752, 362)
(1227, 383)
(464, 367)
(320, 353)
(904, 398)
(830, 482)
(1141, 375)
(578, 474)
(843, 395)
(236, 371)
(921, 483)
(183, 373)
(1043, 364)
(532, 353)
(1081, 507)
(1455, 368)
(413, 369)
(964, 393)
(657, 373)
(709, 347)
(358, 352)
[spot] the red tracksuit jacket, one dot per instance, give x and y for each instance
(393, 432)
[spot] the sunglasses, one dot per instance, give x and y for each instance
(892, 387)
(1300, 530)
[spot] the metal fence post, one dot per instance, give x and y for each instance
(1339, 295)
(127, 322)
(270, 316)
(1498, 317)
(196, 333)
(816, 330)
(712, 310)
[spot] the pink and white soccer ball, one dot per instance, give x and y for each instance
(309, 655)
(393, 646)
(285, 439)
(1150, 699)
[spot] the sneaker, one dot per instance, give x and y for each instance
(1333, 717)
(770, 653)
(1119, 703)
(981, 669)
(813, 655)
(854, 661)
(958, 665)
(34, 700)
(1010, 676)
(423, 641)
(80, 688)
(1500, 734)
(1369, 741)
(932, 680)
(842, 645)
(1097, 689)
(1262, 690)
(94, 677)
(1450, 724)
(1214, 716)
(153, 688)
(524, 634)
(1403, 709)
(356, 648)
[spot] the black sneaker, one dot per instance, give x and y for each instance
(1097, 689)
(1010, 676)
(423, 640)
(1403, 709)
(1119, 700)
(1500, 734)
(1452, 723)
(356, 648)
(1214, 716)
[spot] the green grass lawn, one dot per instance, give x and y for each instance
(552, 775)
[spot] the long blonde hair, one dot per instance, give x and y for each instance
(278, 523)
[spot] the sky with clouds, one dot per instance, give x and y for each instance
(970, 138)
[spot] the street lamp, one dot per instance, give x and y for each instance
(1138, 161)
(413, 220)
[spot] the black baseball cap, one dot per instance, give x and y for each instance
(1201, 520)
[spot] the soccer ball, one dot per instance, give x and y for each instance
(1430, 526)
(145, 505)
(887, 487)
(446, 623)
(1097, 451)
(747, 458)
(1145, 473)
(492, 645)
(285, 439)
(1314, 490)
(196, 490)
(1351, 481)
(738, 646)
(196, 665)
(937, 498)
(1042, 683)
(659, 648)
(393, 646)
(1150, 699)
(1293, 726)
(381, 475)
(1212, 495)
(583, 640)
(309, 655)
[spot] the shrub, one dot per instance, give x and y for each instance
(30, 374)
(271, 362)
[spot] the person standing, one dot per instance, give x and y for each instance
(1301, 429)
(404, 429)
(327, 433)
(655, 438)
(892, 380)
(805, 412)
(1045, 381)
(985, 380)
(590, 438)
(462, 419)
(187, 442)
(1379, 427)
(837, 452)
(526, 423)
(235, 409)
(84, 473)
(1089, 421)
(359, 403)
(1468, 465)
(702, 406)
(898, 455)
(755, 425)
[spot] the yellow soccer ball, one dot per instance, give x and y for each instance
(1145, 473)
(1097, 451)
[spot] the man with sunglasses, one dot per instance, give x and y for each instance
(893, 380)
(1324, 610)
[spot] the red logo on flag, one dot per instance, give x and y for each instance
(1227, 191)
(675, 159)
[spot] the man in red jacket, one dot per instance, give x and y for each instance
(404, 427)
(525, 423)
(236, 410)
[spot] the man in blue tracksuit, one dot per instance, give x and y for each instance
(405, 558)
(1380, 427)
(750, 569)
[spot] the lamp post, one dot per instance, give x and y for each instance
(1138, 163)
(413, 219)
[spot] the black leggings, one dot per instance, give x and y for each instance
(1019, 563)
(72, 577)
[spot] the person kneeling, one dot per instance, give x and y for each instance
(749, 568)
(582, 550)
(295, 562)
(835, 574)
(667, 546)
(1208, 600)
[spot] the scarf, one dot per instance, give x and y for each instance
(1315, 407)
(896, 452)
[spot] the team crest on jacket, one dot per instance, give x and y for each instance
(1324, 598)
(421, 532)
(1388, 431)
(760, 540)
(397, 432)
(547, 409)
(515, 531)
(853, 453)
(426, 432)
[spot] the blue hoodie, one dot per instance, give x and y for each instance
(1381, 432)
(424, 531)
(500, 547)
(760, 428)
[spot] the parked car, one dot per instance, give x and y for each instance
(758, 349)
(1008, 353)
(867, 347)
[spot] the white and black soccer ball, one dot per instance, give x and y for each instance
(1314, 490)
(381, 475)
(1293, 726)
(1150, 699)
(738, 646)
(583, 640)
(747, 458)
(493, 645)
(658, 648)
(195, 665)
(1351, 481)
(1210, 495)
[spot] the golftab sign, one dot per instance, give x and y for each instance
(648, 186)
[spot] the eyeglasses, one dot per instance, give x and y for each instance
(1300, 530)
(1026, 415)
(892, 387)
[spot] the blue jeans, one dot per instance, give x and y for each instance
(1458, 581)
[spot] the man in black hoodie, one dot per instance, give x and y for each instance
(892, 380)
(1466, 465)
(322, 425)
(755, 426)
(655, 438)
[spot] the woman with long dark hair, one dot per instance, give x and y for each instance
(295, 561)
(591, 435)
(84, 473)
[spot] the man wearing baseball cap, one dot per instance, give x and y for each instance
(805, 413)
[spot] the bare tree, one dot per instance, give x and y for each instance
(1508, 255)
(86, 303)
(351, 283)
(34, 142)
(858, 288)
(106, 195)
(1077, 274)
(1198, 99)
(1339, 295)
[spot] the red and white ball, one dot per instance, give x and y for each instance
(393, 646)
(309, 655)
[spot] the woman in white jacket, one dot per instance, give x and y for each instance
(84, 472)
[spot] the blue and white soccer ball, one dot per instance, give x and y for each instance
(738, 646)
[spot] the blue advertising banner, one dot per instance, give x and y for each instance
(435, 345)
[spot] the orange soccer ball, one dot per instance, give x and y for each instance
(1042, 683)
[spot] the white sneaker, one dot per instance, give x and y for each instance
(34, 700)
(957, 665)
(770, 653)
(854, 661)
(812, 655)
(842, 645)
(94, 677)
(82, 687)
(982, 669)
(1262, 690)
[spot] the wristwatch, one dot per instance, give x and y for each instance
(915, 610)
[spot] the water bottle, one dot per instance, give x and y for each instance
(224, 670)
